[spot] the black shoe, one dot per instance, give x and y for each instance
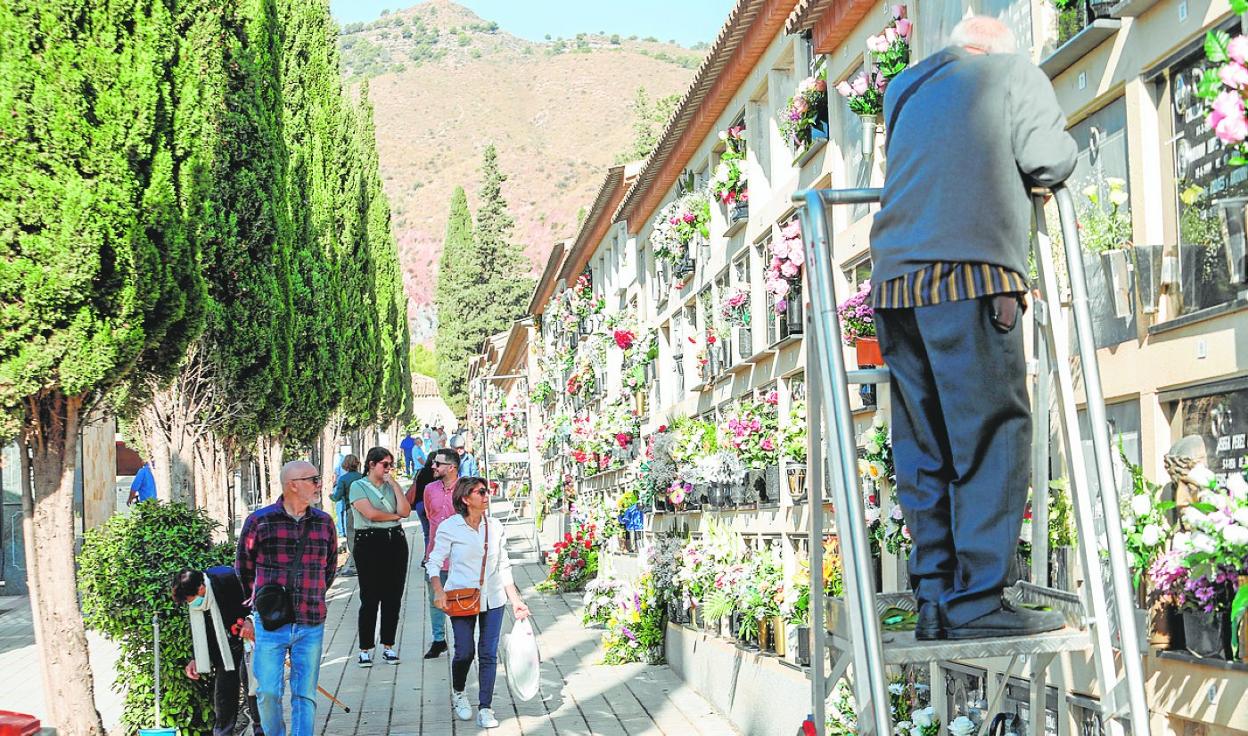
(1008, 621)
(436, 650)
(928, 627)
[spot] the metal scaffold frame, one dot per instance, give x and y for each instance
(1105, 622)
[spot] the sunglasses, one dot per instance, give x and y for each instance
(439, 462)
(387, 464)
(316, 479)
(482, 492)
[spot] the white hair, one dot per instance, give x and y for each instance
(986, 34)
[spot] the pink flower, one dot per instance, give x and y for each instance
(1232, 130)
(877, 44)
(881, 82)
(767, 444)
(1237, 49)
(1234, 76)
(800, 105)
(821, 86)
(779, 249)
(899, 12)
(789, 269)
(890, 36)
(904, 26)
(782, 306)
(859, 84)
(624, 339)
(773, 397)
(781, 288)
(793, 228)
(844, 89)
(797, 257)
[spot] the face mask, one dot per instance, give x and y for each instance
(197, 602)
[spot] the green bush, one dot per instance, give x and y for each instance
(124, 573)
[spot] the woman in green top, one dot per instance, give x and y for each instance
(378, 507)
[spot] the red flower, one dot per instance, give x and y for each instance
(579, 456)
(624, 339)
(710, 339)
(567, 536)
(573, 553)
(623, 439)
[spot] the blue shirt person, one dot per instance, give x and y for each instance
(143, 487)
(406, 446)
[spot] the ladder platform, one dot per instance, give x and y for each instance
(900, 647)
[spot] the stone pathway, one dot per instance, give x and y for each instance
(579, 696)
(21, 675)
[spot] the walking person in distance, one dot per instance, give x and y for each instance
(378, 508)
(475, 546)
(439, 506)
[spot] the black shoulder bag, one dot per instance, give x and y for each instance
(275, 603)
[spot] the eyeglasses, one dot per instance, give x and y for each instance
(439, 462)
(316, 479)
(386, 464)
(482, 492)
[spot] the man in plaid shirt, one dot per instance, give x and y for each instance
(266, 548)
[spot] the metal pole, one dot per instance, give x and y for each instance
(864, 624)
(814, 473)
(1123, 601)
(1040, 451)
(156, 652)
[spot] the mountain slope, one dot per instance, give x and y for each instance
(447, 83)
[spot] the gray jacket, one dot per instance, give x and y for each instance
(969, 142)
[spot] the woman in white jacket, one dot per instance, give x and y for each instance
(464, 540)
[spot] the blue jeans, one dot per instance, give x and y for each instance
(437, 617)
(486, 651)
(269, 662)
(342, 519)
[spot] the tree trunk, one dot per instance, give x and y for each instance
(182, 475)
(157, 443)
(275, 467)
(329, 454)
(211, 484)
(48, 460)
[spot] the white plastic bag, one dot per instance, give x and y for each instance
(523, 661)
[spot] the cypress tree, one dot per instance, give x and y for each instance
(97, 276)
(450, 298)
(503, 288)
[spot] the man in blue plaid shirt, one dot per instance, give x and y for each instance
(266, 549)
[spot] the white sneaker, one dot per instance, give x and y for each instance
(389, 656)
(459, 703)
(366, 659)
(486, 719)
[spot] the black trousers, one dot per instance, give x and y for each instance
(227, 691)
(961, 428)
(381, 562)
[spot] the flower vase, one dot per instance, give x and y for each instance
(870, 123)
(765, 633)
(797, 482)
(771, 483)
(799, 645)
(868, 351)
(745, 341)
(1208, 634)
(780, 636)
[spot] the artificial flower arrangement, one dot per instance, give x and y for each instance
(856, 316)
(542, 392)
(677, 226)
(1215, 543)
(875, 466)
(793, 434)
(735, 307)
(581, 299)
(573, 562)
(751, 431)
(761, 594)
(728, 183)
(805, 110)
(601, 596)
(910, 717)
(1103, 229)
(1225, 86)
(890, 55)
(784, 272)
(635, 628)
(506, 429)
(796, 609)
(1146, 522)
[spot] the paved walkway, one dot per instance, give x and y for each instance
(21, 675)
(579, 696)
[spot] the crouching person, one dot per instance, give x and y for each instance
(219, 623)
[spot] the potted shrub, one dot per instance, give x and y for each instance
(858, 327)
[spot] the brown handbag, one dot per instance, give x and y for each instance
(467, 601)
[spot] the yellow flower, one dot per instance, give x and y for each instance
(875, 471)
(1190, 195)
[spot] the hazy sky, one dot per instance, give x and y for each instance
(686, 21)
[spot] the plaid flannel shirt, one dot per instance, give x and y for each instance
(267, 545)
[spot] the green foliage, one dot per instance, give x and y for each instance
(650, 117)
(424, 361)
(124, 576)
(97, 274)
(482, 288)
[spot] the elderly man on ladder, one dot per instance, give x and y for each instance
(971, 129)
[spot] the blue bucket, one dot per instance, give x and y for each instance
(158, 732)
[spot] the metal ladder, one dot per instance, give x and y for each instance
(1106, 615)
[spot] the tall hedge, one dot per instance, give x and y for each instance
(124, 574)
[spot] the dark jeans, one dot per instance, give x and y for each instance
(486, 652)
(962, 446)
(225, 695)
(381, 562)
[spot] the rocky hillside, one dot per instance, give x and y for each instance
(446, 82)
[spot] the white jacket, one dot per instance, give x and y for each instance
(463, 546)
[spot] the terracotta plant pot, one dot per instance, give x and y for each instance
(868, 349)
